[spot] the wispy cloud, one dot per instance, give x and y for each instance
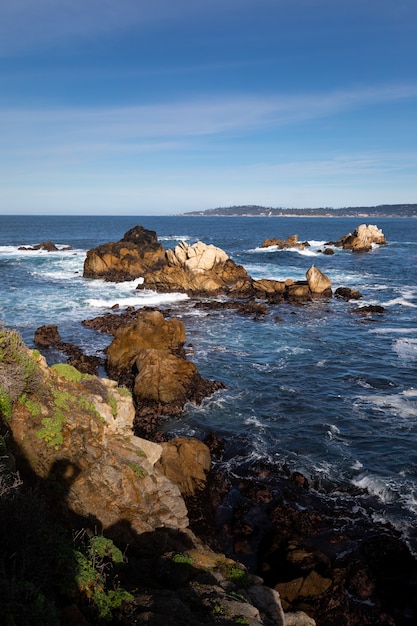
(175, 124)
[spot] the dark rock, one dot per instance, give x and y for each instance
(348, 294)
(369, 309)
(46, 336)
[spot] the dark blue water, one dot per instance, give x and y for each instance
(330, 393)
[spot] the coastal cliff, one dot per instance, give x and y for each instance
(94, 527)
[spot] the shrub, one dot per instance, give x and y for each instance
(19, 372)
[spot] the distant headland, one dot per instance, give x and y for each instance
(382, 210)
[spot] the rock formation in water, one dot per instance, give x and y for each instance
(198, 270)
(289, 242)
(127, 259)
(148, 354)
(362, 239)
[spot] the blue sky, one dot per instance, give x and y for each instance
(159, 107)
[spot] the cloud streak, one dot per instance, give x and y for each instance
(170, 125)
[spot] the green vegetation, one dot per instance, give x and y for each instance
(19, 373)
(32, 406)
(138, 470)
(124, 392)
(98, 562)
(69, 372)
(51, 431)
(113, 405)
(182, 559)
(6, 404)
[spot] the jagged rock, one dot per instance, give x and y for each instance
(289, 242)
(49, 246)
(78, 434)
(199, 269)
(319, 284)
(362, 239)
(369, 309)
(126, 259)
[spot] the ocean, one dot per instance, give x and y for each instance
(314, 387)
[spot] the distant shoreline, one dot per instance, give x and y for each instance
(390, 211)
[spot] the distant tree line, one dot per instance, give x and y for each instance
(251, 210)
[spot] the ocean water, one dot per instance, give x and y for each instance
(327, 392)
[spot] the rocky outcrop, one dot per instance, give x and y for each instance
(199, 269)
(49, 337)
(148, 354)
(289, 242)
(127, 259)
(47, 246)
(78, 434)
(362, 239)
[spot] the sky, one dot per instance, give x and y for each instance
(159, 107)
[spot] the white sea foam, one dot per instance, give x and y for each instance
(144, 299)
(406, 348)
(173, 238)
(376, 486)
(393, 405)
(400, 300)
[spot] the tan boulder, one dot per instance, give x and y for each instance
(319, 284)
(148, 354)
(149, 330)
(185, 462)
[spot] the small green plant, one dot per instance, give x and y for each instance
(241, 620)
(138, 470)
(113, 405)
(32, 406)
(124, 392)
(182, 559)
(140, 453)
(218, 609)
(88, 406)
(6, 404)
(98, 561)
(239, 577)
(51, 431)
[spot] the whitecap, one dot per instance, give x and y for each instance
(142, 300)
(375, 486)
(405, 348)
(401, 301)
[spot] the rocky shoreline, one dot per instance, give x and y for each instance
(261, 546)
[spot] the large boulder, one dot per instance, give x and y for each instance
(127, 259)
(362, 239)
(199, 269)
(148, 355)
(319, 284)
